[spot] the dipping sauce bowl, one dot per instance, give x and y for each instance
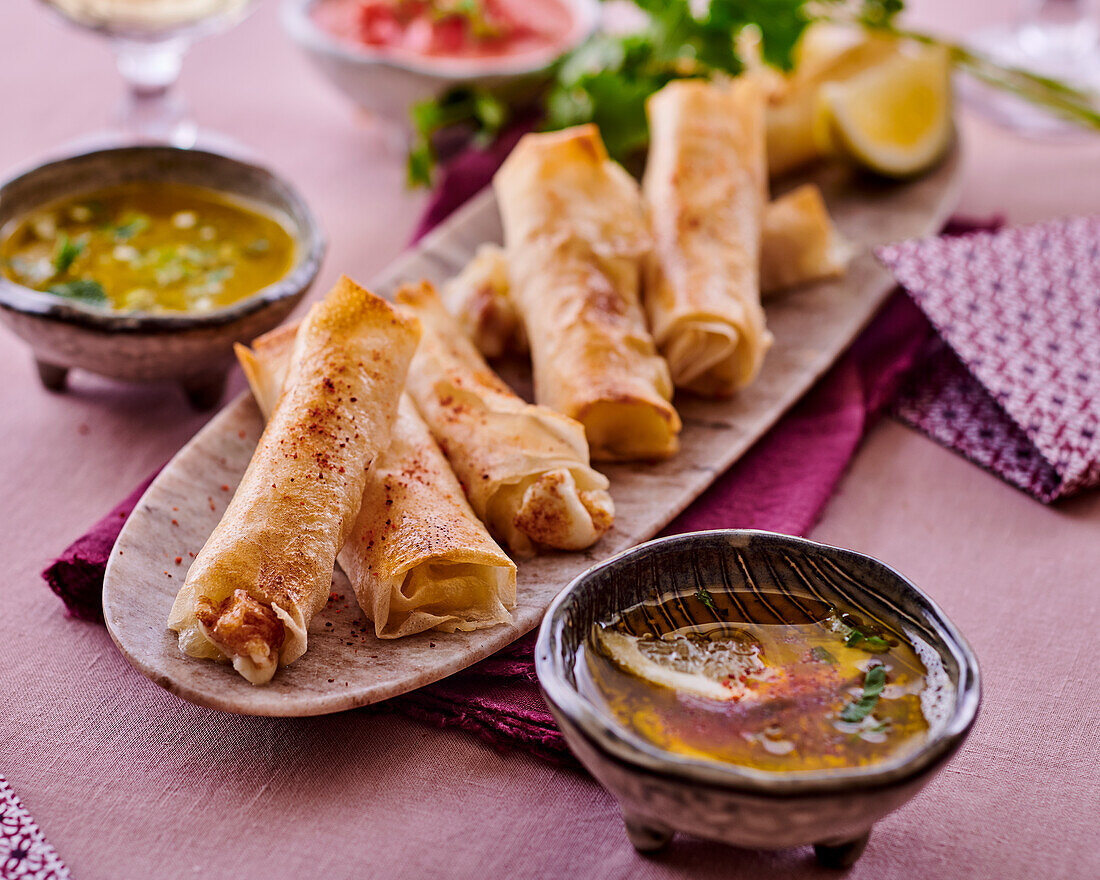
(661, 792)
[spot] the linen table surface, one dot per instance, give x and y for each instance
(126, 780)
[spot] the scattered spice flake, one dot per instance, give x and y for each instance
(179, 560)
(225, 487)
(242, 434)
(175, 509)
(175, 522)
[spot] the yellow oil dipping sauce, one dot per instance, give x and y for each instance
(147, 247)
(767, 681)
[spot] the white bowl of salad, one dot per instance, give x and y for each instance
(387, 55)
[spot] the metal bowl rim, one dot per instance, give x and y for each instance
(311, 240)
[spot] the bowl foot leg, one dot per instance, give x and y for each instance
(52, 376)
(646, 836)
(205, 392)
(841, 853)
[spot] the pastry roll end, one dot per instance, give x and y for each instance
(478, 298)
(525, 468)
(630, 429)
(256, 638)
(800, 244)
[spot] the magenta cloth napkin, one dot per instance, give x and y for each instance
(1015, 383)
(77, 574)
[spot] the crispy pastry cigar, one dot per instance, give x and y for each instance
(524, 467)
(705, 187)
(418, 557)
(575, 233)
(266, 570)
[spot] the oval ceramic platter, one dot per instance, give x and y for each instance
(346, 666)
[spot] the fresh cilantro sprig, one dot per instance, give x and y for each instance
(480, 109)
(874, 644)
(873, 683)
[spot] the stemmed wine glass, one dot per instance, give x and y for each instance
(149, 39)
(1053, 38)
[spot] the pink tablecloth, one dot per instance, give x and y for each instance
(127, 781)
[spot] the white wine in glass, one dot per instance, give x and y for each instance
(149, 39)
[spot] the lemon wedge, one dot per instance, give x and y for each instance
(893, 118)
(714, 670)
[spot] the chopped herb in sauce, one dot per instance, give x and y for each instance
(873, 683)
(703, 595)
(822, 655)
(874, 644)
(66, 252)
(84, 291)
(131, 226)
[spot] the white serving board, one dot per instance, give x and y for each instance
(346, 666)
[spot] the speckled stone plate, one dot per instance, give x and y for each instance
(346, 666)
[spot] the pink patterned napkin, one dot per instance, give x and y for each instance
(24, 852)
(1015, 384)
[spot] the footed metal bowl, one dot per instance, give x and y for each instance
(195, 350)
(659, 792)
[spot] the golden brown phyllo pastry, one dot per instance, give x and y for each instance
(524, 467)
(800, 245)
(575, 234)
(800, 242)
(418, 557)
(266, 570)
(478, 297)
(705, 185)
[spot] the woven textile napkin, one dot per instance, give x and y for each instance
(1014, 384)
(24, 852)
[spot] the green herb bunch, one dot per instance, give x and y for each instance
(607, 79)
